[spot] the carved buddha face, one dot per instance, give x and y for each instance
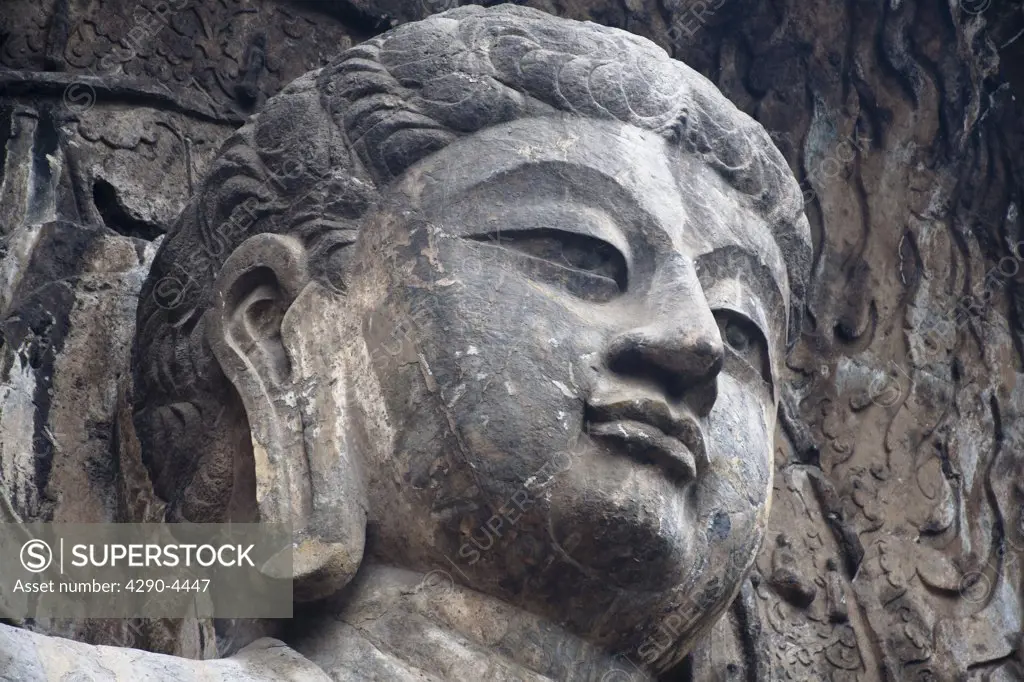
(571, 327)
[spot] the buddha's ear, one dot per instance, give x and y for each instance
(265, 332)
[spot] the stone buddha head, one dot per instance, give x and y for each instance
(497, 293)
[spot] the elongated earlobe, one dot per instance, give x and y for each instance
(305, 475)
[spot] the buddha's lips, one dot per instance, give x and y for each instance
(677, 424)
(651, 431)
(649, 445)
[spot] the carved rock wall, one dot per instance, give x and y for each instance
(897, 529)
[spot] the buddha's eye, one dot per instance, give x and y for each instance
(738, 338)
(593, 255)
(587, 267)
(745, 342)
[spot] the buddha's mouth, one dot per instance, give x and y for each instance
(651, 434)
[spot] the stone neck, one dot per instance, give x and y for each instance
(405, 625)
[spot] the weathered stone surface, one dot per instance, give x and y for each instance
(895, 527)
(31, 657)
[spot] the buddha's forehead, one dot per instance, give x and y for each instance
(560, 157)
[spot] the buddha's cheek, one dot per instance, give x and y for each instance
(507, 375)
(732, 500)
(740, 432)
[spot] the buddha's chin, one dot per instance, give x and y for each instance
(626, 524)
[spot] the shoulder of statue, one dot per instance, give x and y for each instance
(33, 657)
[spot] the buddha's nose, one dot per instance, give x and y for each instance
(676, 345)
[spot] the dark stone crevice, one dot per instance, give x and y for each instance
(117, 217)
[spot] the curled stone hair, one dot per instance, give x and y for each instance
(315, 159)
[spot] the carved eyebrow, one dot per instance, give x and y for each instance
(590, 208)
(591, 182)
(738, 262)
